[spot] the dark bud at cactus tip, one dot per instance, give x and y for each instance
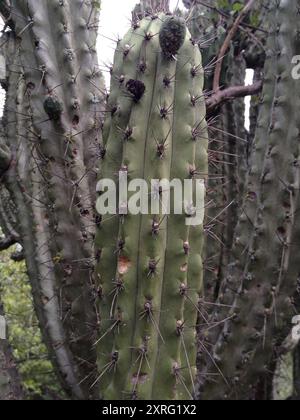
(136, 88)
(172, 36)
(53, 108)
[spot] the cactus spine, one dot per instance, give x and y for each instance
(150, 267)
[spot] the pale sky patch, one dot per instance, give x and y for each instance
(1, 90)
(114, 23)
(248, 81)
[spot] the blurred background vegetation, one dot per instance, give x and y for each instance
(38, 378)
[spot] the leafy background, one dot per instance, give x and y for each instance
(24, 334)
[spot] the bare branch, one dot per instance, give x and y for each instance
(6, 243)
(231, 93)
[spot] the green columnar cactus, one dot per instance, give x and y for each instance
(58, 88)
(31, 226)
(263, 272)
(150, 266)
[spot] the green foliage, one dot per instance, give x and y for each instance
(230, 6)
(237, 7)
(97, 4)
(37, 374)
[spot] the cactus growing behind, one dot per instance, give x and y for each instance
(150, 7)
(150, 267)
(235, 155)
(207, 30)
(262, 276)
(227, 173)
(52, 125)
(228, 143)
(209, 35)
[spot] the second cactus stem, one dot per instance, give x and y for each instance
(150, 266)
(262, 276)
